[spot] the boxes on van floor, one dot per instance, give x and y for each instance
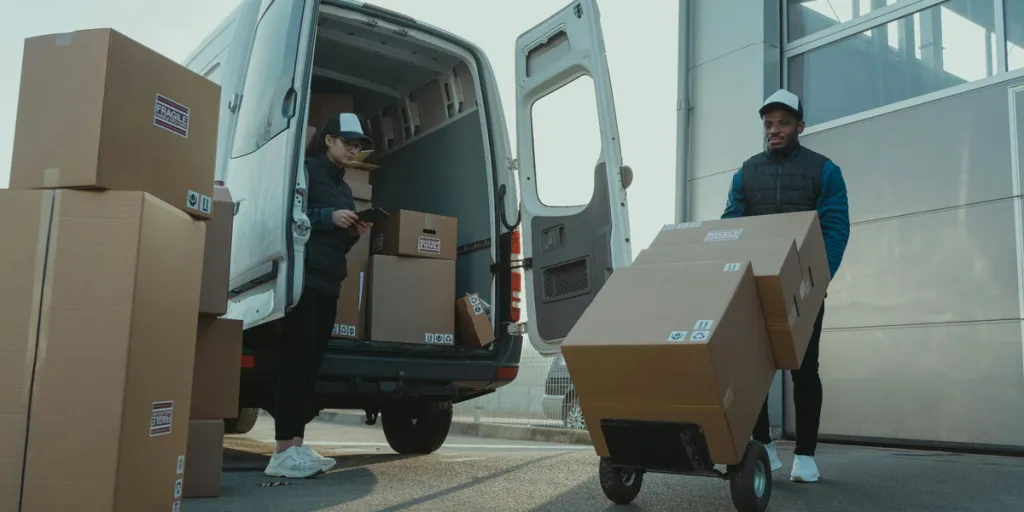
(360, 183)
(417, 234)
(350, 320)
(205, 459)
(218, 371)
(675, 343)
(127, 118)
(99, 302)
(411, 300)
(213, 298)
(792, 297)
(472, 327)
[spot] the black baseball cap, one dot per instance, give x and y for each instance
(784, 100)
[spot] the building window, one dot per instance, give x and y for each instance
(1013, 10)
(807, 17)
(943, 46)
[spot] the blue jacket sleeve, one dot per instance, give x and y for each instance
(834, 214)
(736, 204)
(321, 219)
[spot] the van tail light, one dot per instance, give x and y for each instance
(517, 277)
(508, 372)
(248, 361)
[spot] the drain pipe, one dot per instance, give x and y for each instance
(683, 114)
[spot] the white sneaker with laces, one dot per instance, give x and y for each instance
(805, 470)
(326, 463)
(773, 456)
(293, 463)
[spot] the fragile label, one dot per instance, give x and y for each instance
(677, 336)
(177, 488)
(439, 339)
(181, 464)
(699, 336)
(171, 115)
(731, 267)
(161, 418)
(703, 325)
(429, 245)
(192, 200)
(205, 204)
(723, 235)
(805, 288)
(344, 330)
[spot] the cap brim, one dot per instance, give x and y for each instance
(779, 106)
(356, 137)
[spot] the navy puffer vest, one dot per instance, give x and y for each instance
(782, 183)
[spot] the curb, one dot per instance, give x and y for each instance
(478, 429)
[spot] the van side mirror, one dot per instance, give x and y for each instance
(626, 176)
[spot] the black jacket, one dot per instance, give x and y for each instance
(326, 265)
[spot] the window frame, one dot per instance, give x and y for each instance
(878, 18)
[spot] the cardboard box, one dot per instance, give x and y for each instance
(350, 321)
(416, 234)
(361, 184)
(676, 343)
(411, 300)
(361, 251)
(323, 106)
(98, 110)
(779, 279)
(205, 458)
(218, 369)
(472, 328)
(213, 298)
(99, 297)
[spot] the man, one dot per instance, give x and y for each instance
(790, 178)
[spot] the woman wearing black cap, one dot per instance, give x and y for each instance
(335, 229)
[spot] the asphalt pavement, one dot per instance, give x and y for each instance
(479, 474)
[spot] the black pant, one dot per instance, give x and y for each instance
(300, 354)
(806, 399)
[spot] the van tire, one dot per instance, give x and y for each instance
(417, 428)
(244, 423)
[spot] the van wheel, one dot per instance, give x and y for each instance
(417, 428)
(245, 421)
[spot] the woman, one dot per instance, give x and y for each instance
(335, 229)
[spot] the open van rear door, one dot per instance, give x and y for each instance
(569, 250)
(264, 172)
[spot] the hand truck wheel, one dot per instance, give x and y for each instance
(619, 485)
(751, 480)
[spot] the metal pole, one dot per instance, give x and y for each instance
(683, 114)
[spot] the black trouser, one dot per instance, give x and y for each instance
(300, 354)
(806, 399)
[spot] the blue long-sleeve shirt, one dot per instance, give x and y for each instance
(833, 211)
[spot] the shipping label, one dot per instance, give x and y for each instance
(703, 325)
(378, 242)
(731, 267)
(677, 336)
(439, 338)
(478, 310)
(429, 245)
(177, 488)
(344, 330)
(181, 464)
(723, 235)
(192, 200)
(171, 115)
(161, 418)
(699, 336)
(176, 507)
(205, 204)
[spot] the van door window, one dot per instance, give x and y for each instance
(566, 144)
(267, 99)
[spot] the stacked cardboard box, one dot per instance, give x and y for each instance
(695, 330)
(412, 279)
(104, 236)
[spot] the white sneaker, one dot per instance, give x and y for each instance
(326, 463)
(804, 470)
(773, 456)
(293, 463)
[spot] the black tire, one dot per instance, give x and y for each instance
(244, 423)
(619, 485)
(751, 480)
(418, 428)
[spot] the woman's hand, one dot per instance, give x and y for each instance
(360, 228)
(344, 218)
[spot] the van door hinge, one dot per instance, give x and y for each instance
(525, 263)
(512, 164)
(235, 102)
(517, 329)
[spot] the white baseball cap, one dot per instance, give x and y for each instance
(347, 126)
(785, 100)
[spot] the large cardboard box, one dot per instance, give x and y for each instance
(205, 458)
(472, 328)
(218, 369)
(99, 110)
(213, 299)
(675, 343)
(361, 184)
(99, 300)
(417, 234)
(350, 321)
(323, 106)
(779, 282)
(411, 300)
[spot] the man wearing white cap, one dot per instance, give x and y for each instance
(335, 228)
(791, 178)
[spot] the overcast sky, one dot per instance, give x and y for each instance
(641, 46)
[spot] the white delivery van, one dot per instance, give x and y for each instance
(430, 102)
